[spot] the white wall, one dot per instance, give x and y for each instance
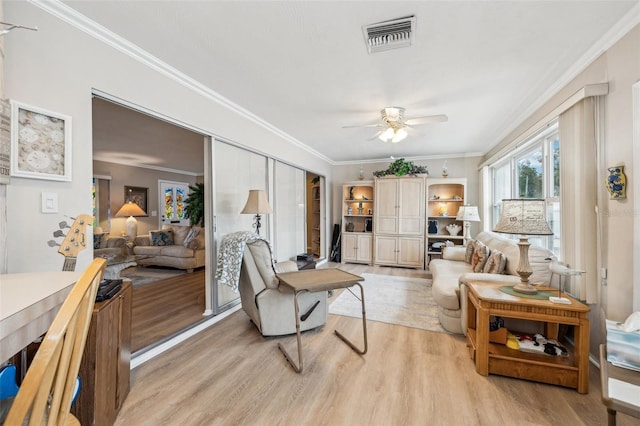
(620, 67)
(56, 68)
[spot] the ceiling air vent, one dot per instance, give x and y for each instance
(389, 35)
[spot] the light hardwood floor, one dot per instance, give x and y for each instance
(230, 375)
(165, 307)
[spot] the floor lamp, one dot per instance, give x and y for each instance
(257, 204)
(524, 216)
(467, 214)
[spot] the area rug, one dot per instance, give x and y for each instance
(143, 276)
(393, 300)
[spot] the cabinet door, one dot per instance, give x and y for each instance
(364, 248)
(349, 247)
(386, 210)
(411, 251)
(386, 250)
(411, 211)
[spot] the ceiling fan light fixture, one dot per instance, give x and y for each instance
(400, 135)
(387, 134)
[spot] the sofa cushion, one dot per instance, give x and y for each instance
(495, 263)
(480, 256)
(148, 250)
(180, 232)
(176, 251)
(163, 237)
(454, 253)
(468, 255)
(190, 236)
(97, 240)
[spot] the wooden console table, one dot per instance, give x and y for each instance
(105, 366)
(486, 300)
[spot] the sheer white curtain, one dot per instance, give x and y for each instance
(578, 166)
(289, 211)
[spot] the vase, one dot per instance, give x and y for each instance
(617, 183)
(433, 226)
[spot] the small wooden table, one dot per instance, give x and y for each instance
(314, 281)
(486, 299)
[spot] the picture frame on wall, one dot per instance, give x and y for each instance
(138, 195)
(40, 143)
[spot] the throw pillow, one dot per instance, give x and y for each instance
(97, 240)
(161, 237)
(496, 263)
(190, 236)
(480, 256)
(471, 245)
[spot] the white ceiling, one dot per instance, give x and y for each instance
(303, 67)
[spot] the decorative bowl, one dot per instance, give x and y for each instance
(454, 228)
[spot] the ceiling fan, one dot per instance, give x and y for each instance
(394, 123)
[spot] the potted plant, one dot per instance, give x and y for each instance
(194, 205)
(401, 167)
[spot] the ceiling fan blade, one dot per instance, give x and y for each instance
(362, 125)
(428, 119)
(374, 137)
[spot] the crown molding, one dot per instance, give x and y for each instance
(615, 33)
(76, 19)
(107, 159)
(408, 158)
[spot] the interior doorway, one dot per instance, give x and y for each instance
(130, 147)
(315, 215)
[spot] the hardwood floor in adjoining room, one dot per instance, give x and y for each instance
(163, 308)
(230, 375)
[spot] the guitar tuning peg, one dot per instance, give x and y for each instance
(52, 243)
(58, 233)
(63, 225)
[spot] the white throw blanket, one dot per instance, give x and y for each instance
(230, 256)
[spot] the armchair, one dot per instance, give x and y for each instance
(270, 306)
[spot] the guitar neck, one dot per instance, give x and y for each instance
(69, 264)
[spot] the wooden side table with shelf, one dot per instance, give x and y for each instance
(485, 299)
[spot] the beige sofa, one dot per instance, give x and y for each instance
(175, 255)
(452, 272)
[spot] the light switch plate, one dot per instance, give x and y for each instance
(49, 202)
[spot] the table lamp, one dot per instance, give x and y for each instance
(257, 204)
(523, 217)
(468, 214)
(131, 210)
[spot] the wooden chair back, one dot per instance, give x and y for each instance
(46, 391)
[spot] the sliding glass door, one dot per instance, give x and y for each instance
(236, 171)
(289, 212)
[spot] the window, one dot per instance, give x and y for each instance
(533, 171)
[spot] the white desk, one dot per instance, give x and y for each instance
(28, 304)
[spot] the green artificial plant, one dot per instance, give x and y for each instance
(194, 205)
(401, 167)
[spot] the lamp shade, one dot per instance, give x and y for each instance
(257, 203)
(524, 216)
(130, 209)
(468, 214)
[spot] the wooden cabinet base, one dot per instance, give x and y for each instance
(105, 367)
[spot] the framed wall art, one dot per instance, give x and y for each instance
(40, 143)
(137, 195)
